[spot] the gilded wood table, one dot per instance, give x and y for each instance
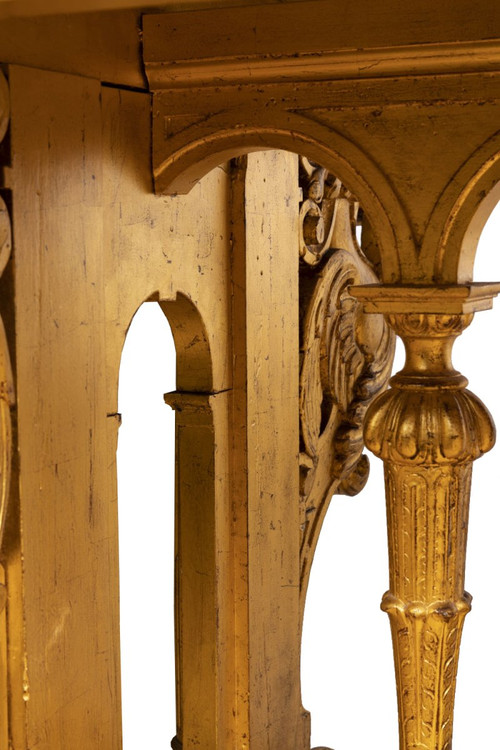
(295, 184)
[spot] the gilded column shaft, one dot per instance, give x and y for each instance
(428, 429)
(427, 514)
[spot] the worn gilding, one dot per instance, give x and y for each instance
(428, 429)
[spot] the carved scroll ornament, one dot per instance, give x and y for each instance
(346, 356)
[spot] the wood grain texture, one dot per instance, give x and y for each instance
(37, 8)
(168, 246)
(318, 25)
(265, 449)
(271, 194)
(204, 566)
(4, 684)
(79, 44)
(403, 108)
(369, 103)
(92, 243)
(69, 537)
(176, 251)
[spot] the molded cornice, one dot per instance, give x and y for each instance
(359, 64)
(319, 40)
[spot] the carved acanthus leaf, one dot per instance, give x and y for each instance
(346, 356)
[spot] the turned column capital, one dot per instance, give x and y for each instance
(429, 299)
(428, 416)
(433, 428)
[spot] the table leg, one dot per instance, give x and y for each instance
(428, 429)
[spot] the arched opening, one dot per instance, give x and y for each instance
(165, 359)
(196, 150)
(145, 459)
(459, 217)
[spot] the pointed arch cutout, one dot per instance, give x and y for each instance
(201, 417)
(194, 360)
(145, 468)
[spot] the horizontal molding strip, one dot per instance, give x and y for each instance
(411, 60)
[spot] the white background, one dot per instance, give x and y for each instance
(347, 673)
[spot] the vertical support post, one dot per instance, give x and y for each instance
(237, 489)
(428, 429)
(62, 604)
(202, 589)
(265, 446)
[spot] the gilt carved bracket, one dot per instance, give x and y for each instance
(346, 356)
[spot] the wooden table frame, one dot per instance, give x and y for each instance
(284, 330)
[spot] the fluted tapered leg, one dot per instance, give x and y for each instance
(428, 429)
